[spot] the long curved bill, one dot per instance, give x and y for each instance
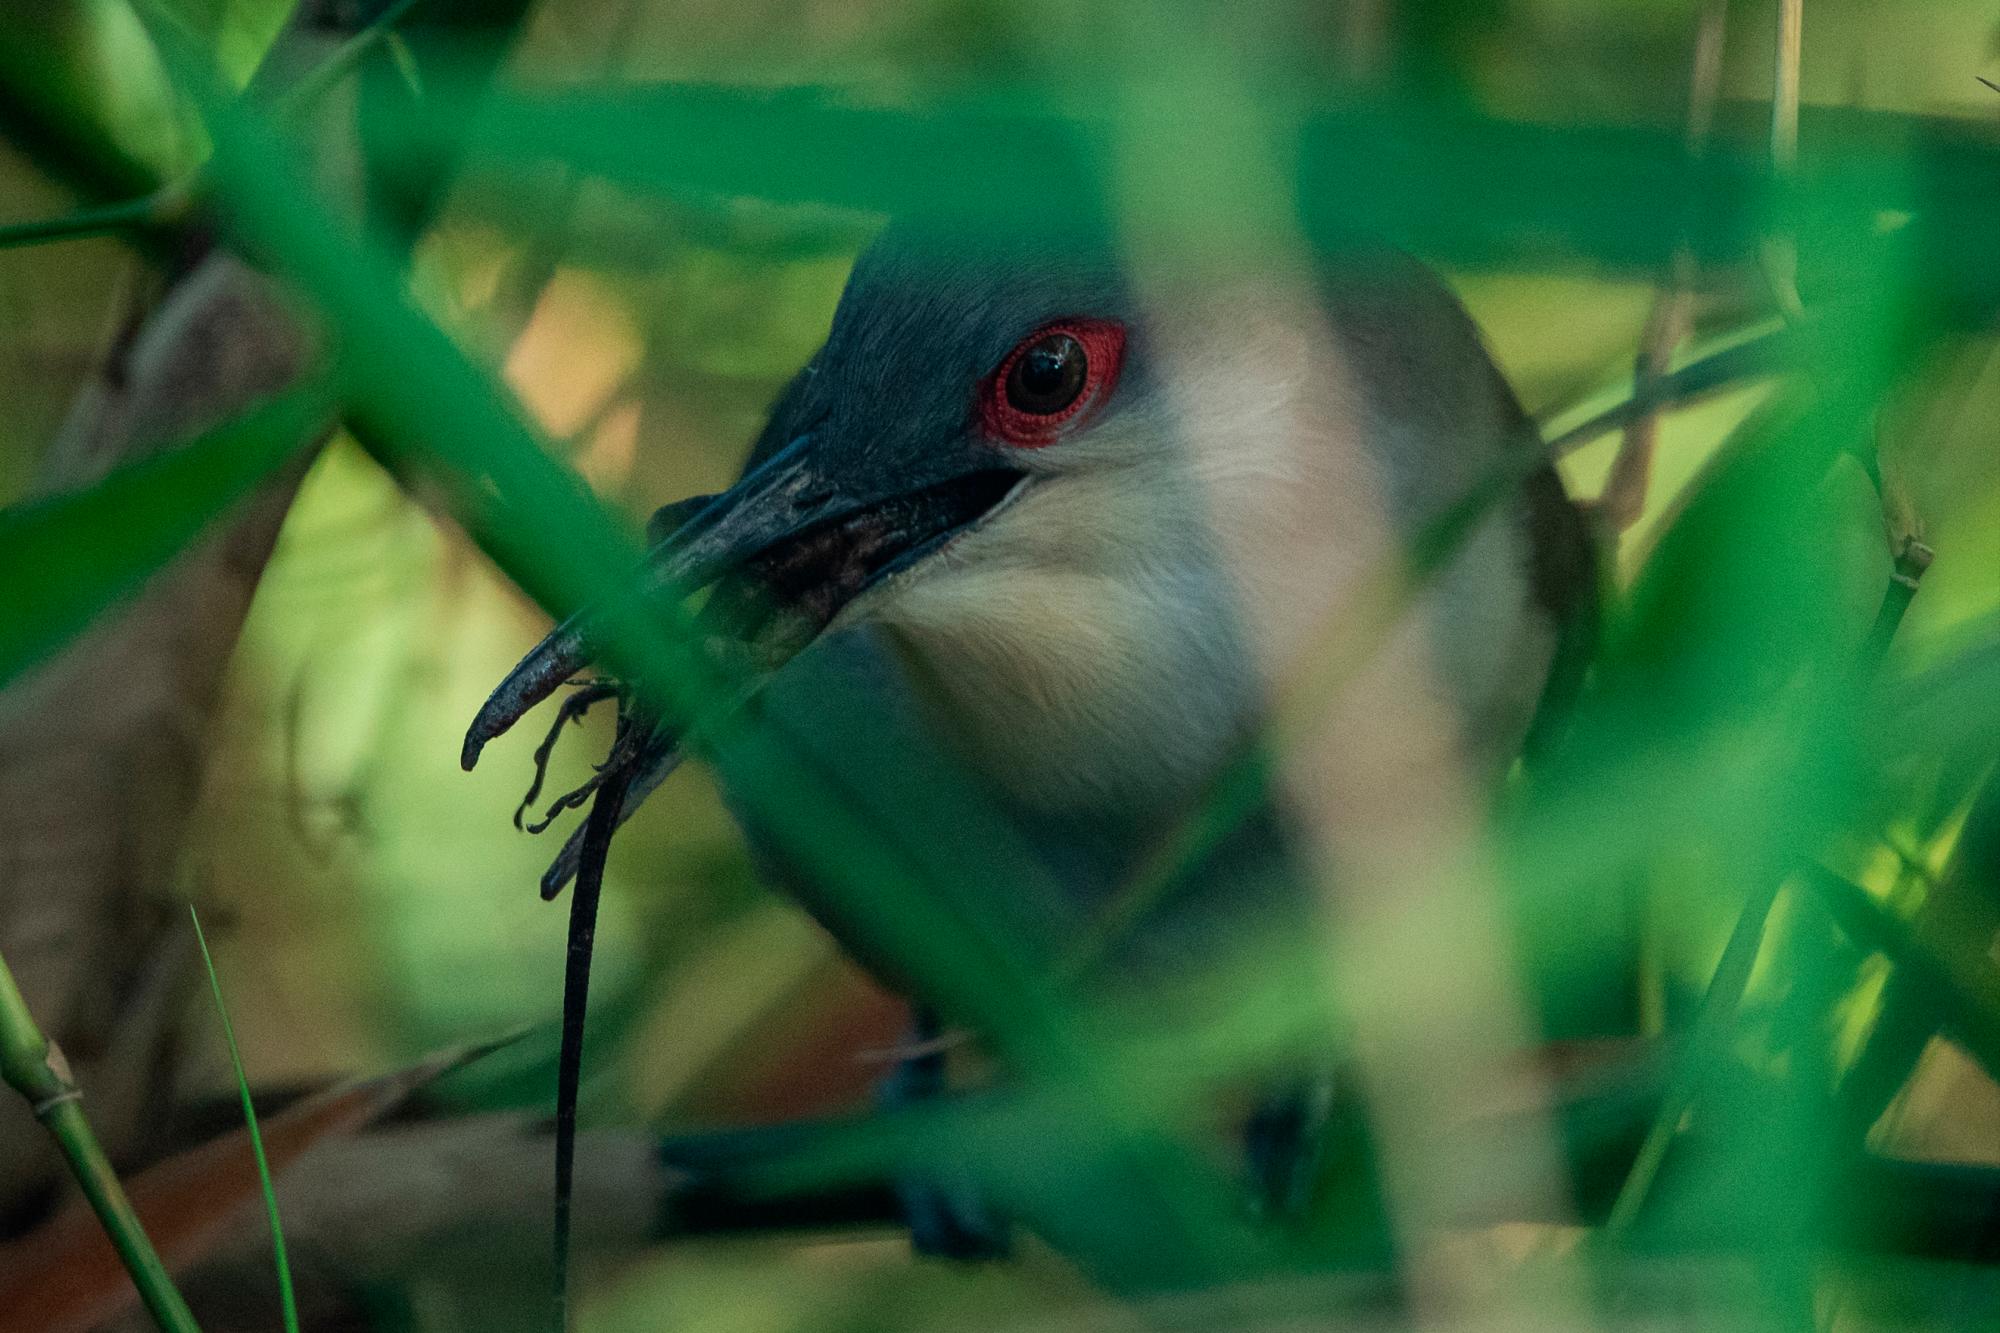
(816, 531)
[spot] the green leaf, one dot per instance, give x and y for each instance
(1009, 158)
(75, 555)
(82, 98)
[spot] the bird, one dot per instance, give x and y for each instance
(1072, 521)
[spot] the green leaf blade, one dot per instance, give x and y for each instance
(75, 555)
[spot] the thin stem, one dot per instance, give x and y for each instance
(1912, 559)
(1785, 86)
(1954, 979)
(33, 1067)
(1623, 498)
(1733, 365)
(126, 215)
(1718, 1008)
(1732, 974)
(287, 1301)
(1781, 252)
(342, 61)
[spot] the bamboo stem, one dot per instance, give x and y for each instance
(34, 1067)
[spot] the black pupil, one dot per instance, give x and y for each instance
(1048, 376)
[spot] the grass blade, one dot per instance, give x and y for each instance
(287, 1300)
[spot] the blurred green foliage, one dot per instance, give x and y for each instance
(648, 224)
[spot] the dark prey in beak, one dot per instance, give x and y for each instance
(787, 549)
(794, 532)
(878, 453)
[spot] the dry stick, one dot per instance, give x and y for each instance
(1785, 85)
(1732, 973)
(1623, 498)
(34, 1067)
(1781, 252)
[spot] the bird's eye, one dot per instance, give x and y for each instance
(1050, 379)
(1048, 376)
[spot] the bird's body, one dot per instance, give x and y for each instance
(1079, 533)
(1105, 642)
(1100, 646)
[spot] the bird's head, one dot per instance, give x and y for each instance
(954, 385)
(1077, 518)
(977, 459)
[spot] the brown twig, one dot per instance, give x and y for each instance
(1623, 498)
(1781, 251)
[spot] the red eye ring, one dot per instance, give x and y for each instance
(1101, 343)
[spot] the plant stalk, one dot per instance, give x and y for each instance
(34, 1067)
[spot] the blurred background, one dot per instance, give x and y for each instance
(371, 905)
